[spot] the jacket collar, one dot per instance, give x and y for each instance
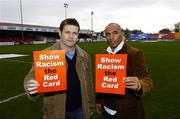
(80, 52)
(80, 56)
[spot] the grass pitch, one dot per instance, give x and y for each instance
(163, 59)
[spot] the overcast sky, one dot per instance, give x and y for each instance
(147, 15)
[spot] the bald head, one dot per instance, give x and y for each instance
(114, 35)
(113, 25)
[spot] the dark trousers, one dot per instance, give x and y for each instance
(76, 114)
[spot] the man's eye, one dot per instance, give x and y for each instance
(75, 33)
(107, 34)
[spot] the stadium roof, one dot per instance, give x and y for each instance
(35, 28)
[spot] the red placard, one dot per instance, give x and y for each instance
(50, 70)
(110, 70)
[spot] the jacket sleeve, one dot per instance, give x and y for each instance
(28, 77)
(141, 71)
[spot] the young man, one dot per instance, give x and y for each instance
(77, 101)
(137, 80)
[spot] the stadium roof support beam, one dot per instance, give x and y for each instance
(65, 6)
(92, 13)
(21, 11)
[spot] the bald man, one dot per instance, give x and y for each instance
(137, 80)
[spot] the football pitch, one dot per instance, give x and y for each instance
(163, 59)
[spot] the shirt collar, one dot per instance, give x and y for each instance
(70, 55)
(118, 48)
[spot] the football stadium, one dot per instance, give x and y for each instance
(16, 59)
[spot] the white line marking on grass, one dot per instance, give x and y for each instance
(11, 98)
(19, 61)
(11, 55)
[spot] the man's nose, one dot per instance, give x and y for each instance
(71, 35)
(111, 36)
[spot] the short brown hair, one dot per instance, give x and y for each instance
(69, 21)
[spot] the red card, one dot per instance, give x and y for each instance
(110, 70)
(50, 70)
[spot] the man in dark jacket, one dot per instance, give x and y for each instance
(137, 80)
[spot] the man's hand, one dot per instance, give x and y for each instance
(98, 108)
(32, 86)
(132, 83)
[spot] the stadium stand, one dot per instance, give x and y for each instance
(12, 32)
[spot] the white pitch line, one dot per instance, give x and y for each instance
(11, 98)
(19, 61)
(2, 56)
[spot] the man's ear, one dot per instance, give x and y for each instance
(123, 37)
(122, 33)
(59, 33)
